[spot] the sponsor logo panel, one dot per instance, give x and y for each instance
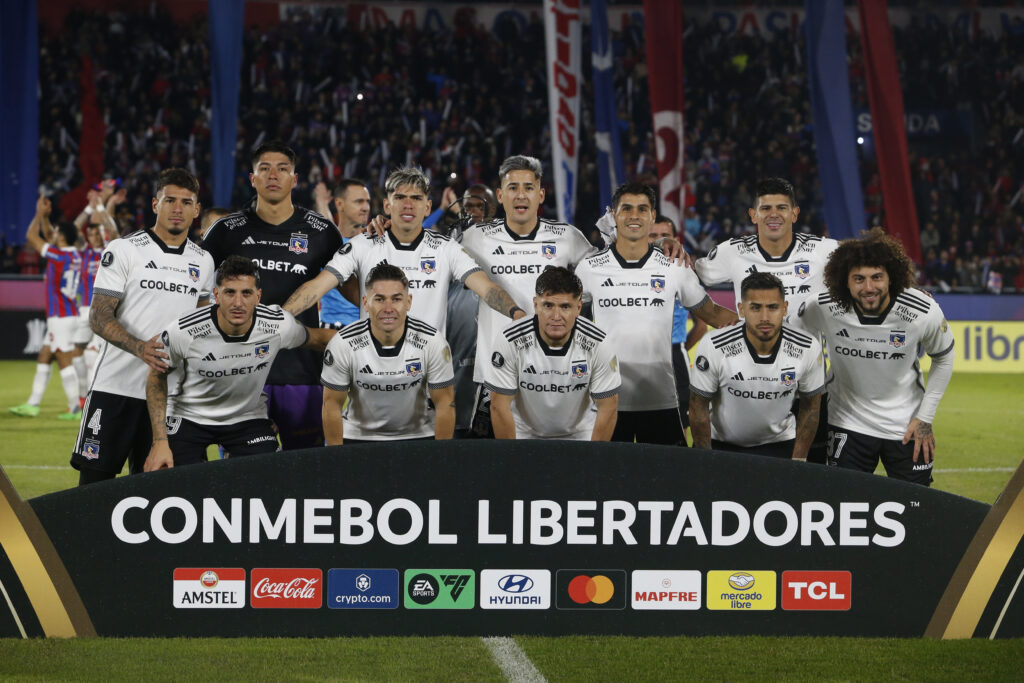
(515, 589)
(741, 590)
(665, 589)
(590, 588)
(362, 589)
(209, 588)
(817, 590)
(287, 588)
(439, 588)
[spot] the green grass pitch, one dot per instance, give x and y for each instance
(979, 429)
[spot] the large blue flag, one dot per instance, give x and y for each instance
(609, 152)
(227, 19)
(19, 117)
(834, 131)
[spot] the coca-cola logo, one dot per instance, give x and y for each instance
(287, 588)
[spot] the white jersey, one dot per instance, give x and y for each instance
(634, 301)
(876, 384)
(751, 395)
(155, 284)
(801, 268)
(553, 388)
(387, 386)
(514, 262)
(430, 263)
(217, 379)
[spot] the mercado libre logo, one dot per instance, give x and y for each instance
(440, 589)
(590, 589)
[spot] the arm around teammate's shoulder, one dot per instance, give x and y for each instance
(310, 292)
(715, 315)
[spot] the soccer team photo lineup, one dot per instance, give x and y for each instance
(323, 233)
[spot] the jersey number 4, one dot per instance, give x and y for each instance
(94, 421)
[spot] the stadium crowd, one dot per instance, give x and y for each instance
(443, 101)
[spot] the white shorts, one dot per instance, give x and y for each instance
(60, 333)
(83, 333)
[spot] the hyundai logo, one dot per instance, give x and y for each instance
(515, 583)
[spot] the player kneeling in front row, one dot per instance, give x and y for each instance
(220, 357)
(747, 373)
(552, 365)
(385, 365)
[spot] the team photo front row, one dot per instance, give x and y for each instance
(163, 394)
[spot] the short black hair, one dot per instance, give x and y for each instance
(775, 186)
(558, 280)
(69, 231)
(178, 177)
(634, 187)
(275, 146)
(760, 282)
(237, 266)
(342, 187)
(662, 218)
(386, 272)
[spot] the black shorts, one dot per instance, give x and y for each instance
(681, 367)
(189, 440)
(779, 449)
(114, 429)
(649, 426)
(855, 451)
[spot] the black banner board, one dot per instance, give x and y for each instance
(24, 333)
(494, 537)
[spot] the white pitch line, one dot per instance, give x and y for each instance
(37, 467)
(14, 612)
(956, 470)
(512, 661)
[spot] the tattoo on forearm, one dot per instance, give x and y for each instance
(156, 401)
(300, 300)
(807, 421)
(103, 321)
(700, 421)
(498, 299)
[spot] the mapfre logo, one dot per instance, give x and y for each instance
(287, 588)
(817, 591)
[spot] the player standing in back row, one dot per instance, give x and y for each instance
(145, 280)
(877, 324)
(291, 245)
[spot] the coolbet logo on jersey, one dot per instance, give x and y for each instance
(206, 588)
(817, 591)
(591, 588)
(362, 589)
(665, 589)
(515, 589)
(440, 588)
(287, 588)
(741, 590)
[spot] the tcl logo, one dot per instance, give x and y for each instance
(287, 588)
(816, 590)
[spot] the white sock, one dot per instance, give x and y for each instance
(81, 373)
(69, 378)
(39, 383)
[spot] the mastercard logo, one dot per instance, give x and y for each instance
(591, 589)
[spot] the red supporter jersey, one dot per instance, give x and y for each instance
(63, 268)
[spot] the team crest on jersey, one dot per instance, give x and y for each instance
(579, 369)
(802, 269)
(414, 368)
(788, 377)
(428, 265)
(262, 350)
(193, 272)
(897, 338)
(658, 284)
(547, 250)
(298, 243)
(91, 450)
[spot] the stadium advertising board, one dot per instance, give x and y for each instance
(986, 347)
(502, 537)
